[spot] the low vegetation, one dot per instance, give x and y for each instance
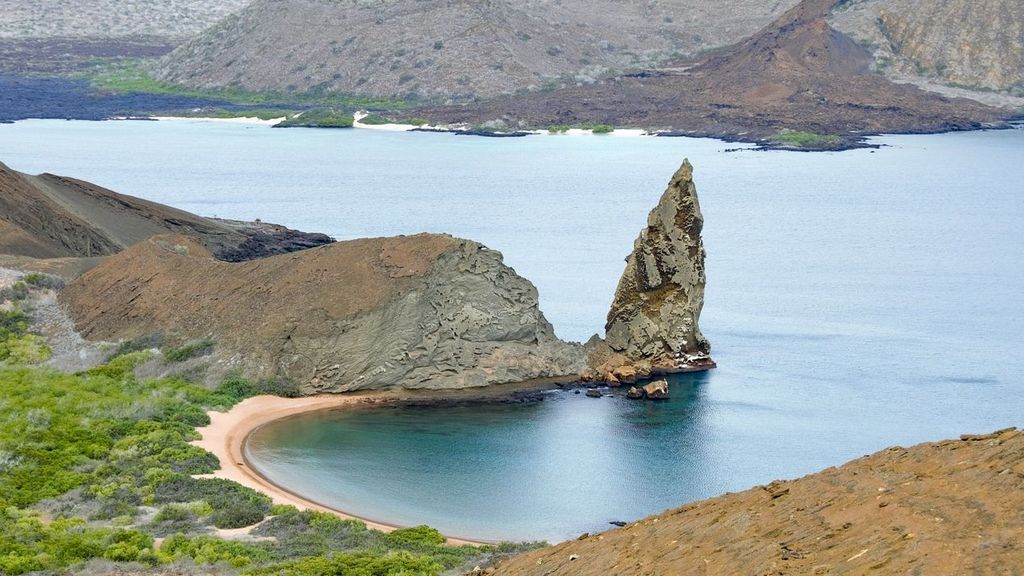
(595, 128)
(799, 139)
(96, 466)
(374, 120)
(134, 75)
(318, 118)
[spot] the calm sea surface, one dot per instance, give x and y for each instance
(855, 301)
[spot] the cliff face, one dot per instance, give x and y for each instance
(654, 318)
(423, 311)
(951, 507)
(971, 43)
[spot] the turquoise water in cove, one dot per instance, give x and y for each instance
(855, 301)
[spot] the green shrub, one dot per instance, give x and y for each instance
(374, 120)
(419, 121)
(318, 118)
(13, 323)
(234, 505)
(44, 281)
(140, 344)
(800, 139)
(602, 129)
(189, 350)
(355, 564)
(417, 536)
(14, 293)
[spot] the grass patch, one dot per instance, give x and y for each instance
(318, 118)
(374, 120)
(799, 139)
(595, 128)
(134, 75)
(189, 350)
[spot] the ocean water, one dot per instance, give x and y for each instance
(855, 300)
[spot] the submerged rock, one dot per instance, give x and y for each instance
(657, 390)
(594, 393)
(653, 322)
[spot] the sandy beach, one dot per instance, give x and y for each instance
(226, 435)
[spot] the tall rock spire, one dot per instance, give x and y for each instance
(654, 319)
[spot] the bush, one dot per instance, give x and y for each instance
(374, 120)
(14, 293)
(189, 350)
(800, 139)
(44, 281)
(234, 505)
(418, 536)
(140, 344)
(602, 129)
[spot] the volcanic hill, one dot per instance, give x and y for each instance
(451, 48)
(796, 74)
(49, 216)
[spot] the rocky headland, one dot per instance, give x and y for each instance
(952, 507)
(425, 311)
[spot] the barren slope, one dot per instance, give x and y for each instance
(972, 43)
(798, 73)
(168, 19)
(451, 48)
(425, 311)
(954, 507)
(50, 216)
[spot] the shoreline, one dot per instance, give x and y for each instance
(228, 432)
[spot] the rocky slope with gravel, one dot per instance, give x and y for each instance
(953, 507)
(452, 49)
(968, 43)
(50, 216)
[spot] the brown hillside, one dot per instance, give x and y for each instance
(798, 73)
(452, 48)
(50, 216)
(948, 508)
(424, 311)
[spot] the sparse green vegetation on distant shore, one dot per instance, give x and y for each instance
(133, 75)
(801, 139)
(95, 466)
(318, 118)
(595, 128)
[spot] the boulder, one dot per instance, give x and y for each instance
(625, 374)
(656, 390)
(594, 393)
(656, 311)
(634, 393)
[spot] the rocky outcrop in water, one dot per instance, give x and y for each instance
(653, 324)
(419, 312)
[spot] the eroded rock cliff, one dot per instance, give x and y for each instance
(653, 324)
(973, 43)
(425, 311)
